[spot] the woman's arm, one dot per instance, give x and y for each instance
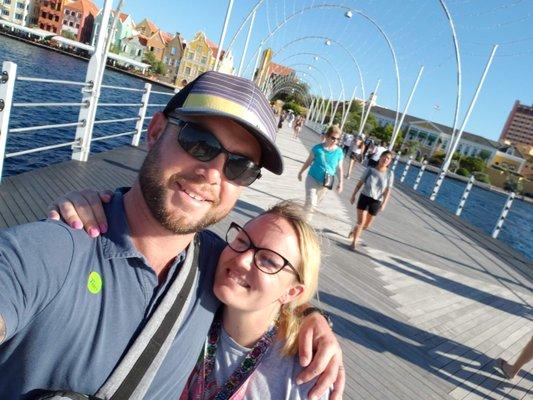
(357, 188)
(306, 165)
(341, 176)
(386, 195)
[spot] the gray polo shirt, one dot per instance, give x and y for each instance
(73, 304)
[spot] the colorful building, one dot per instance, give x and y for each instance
(157, 43)
(199, 56)
(51, 15)
(146, 27)
(22, 12)
(134, 47)
(172, 56)
(125, 27)
(78, 19)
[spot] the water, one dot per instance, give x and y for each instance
(34, 61)
(482, 208)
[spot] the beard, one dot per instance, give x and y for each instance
(155, 192)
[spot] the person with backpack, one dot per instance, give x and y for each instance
(377, 184)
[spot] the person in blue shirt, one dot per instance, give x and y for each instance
(71, 306)
(324, 158)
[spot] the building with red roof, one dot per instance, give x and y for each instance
(78, 18)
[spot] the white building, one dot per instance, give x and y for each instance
(22, 12)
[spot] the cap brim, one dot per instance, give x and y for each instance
(271, 158)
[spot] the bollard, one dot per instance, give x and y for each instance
(437, 185)
(7, 87)
(465, 196)
(395, 163)
(407, 166)
(503, 215)
(419, 176)
(142, 115)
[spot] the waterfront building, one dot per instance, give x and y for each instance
(157, 43)
(22, 12)
(51, 15)
(134, 47)
(199, 56)
(78, 19)
(519, 126)
(125, 27)
(146, 27)
(172, 56)
(433, 137)
(268, 70)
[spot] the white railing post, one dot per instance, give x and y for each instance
(419, 176)
(407, 166)
(142, 115)
(91, 92)
(503, 215)
(7, 87)
(395, 163)
(465, 196)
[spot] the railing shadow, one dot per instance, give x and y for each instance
(461, 365)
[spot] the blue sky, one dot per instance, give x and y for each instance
(419, 33)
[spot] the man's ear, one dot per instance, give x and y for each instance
(156, 128)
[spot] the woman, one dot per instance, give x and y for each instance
(377, 184)
(356, 154)
(297, 126)
(324, 159)
(269, 267)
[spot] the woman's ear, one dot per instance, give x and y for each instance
(291, 294)
(156, 127)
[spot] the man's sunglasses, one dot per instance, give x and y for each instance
(204, 146)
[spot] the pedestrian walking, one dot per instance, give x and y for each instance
(290, 118)
(356, 154)
(347, 141)
(282, 117)
(377, 184)
(325, 160)
(298, 123)
(510, 370)
(376, 152)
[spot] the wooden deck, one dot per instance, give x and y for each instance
(423, 311)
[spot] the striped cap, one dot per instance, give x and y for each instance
(222, 95)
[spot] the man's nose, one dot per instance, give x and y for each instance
(213, 170)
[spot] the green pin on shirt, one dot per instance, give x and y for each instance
(94, 283)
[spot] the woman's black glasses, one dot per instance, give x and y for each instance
(204, 146)
(266, 260)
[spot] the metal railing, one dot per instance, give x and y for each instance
(7, 89)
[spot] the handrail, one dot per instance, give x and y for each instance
(156, 105)
(45, 80)
(110, 121)
(112, 136)
(120, 104)
(49, 104)
(41, 127)
(53, 146)
(122, 88)
(166, 93)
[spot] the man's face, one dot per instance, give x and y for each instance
(186, 195)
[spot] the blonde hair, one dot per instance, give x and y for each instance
(309, 244)
(335, 128)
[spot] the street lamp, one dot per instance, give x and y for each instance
(328, 42)
(348, 14)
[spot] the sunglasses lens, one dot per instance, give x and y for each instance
(241, 170)
(200, 144)
(204, 146)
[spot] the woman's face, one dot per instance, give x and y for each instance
(385, 160)
(239, 284)
(333, 139)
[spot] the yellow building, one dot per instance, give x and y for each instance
(198, 57)
(507, 157)
(22, 12)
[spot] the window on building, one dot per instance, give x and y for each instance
(54, 29)
(46, 4)
(173, 51)
(65, 22)
(7, 1)
(67, 12)
(204, 60)
(71, 23)
(190, 55)
(20, 5)
(187, 70)
(139, 52)
(18, 16)
(43, 14)
(77, 26)
(5, 12)
(56, 18)
(79, 15)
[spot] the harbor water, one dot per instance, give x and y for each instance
(482, 208)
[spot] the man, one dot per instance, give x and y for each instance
(71, 307)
